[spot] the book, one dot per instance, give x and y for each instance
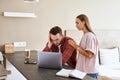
(73, 73)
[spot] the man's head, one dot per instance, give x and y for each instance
(56, 35)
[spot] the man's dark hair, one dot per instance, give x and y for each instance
(55, 30)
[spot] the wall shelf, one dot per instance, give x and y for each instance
(19, 14)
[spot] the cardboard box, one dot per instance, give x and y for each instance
(9, 48)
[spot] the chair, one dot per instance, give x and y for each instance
(2, 69)
(1, 58)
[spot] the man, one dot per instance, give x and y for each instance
(58, 43)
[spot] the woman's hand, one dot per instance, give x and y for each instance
(81, 51)
(73, 43)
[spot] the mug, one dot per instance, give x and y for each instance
(27, 53)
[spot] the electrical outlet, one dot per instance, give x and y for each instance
(19, 44)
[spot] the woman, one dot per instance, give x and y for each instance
(87, 56)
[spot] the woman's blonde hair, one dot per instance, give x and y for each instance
(84, 18)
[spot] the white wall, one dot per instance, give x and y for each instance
(103, 14)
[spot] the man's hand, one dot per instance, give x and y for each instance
(49, 42)
(73, 43)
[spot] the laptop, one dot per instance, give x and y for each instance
(50, 60)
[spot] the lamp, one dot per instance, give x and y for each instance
(31, 0)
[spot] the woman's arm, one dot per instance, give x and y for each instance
(81, 51)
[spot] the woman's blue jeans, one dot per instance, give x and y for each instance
(95, 76)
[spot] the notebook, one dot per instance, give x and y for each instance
(51, 60)
(73, 73)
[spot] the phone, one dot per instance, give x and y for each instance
(27, 62)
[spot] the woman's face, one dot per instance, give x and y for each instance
(79, 24)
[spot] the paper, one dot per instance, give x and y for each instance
(77, 74)
(64, 72)
(73, 73)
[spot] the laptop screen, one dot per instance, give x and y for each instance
(50, 60)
